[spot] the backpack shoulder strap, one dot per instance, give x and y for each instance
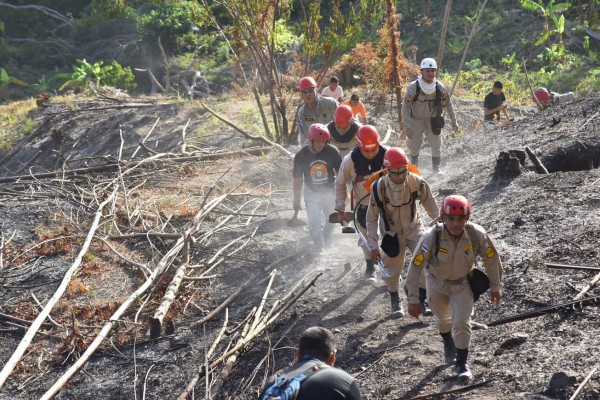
(287, 387)
(417, 91)
(379, 201)
(438, 238)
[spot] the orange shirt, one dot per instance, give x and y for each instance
(357, 109)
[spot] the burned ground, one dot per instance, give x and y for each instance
(533, 218)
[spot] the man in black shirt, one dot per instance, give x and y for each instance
(315, 359)
(316, 165)
(494, 102)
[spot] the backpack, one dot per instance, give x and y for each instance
(414, 195)
(287, 387)
(439, 100)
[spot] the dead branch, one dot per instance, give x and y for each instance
(279, 147)
(565, 266)
(592, 284)
(456, 390)
(35, 326)
(582, 385)
(591, 301)
(172, 289)
(155, 82)
(539, 105)
(464, 56)
(145, 137)
(243, 287)
(540, 168)
(6, 317)
(45, 10)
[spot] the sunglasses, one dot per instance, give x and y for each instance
(398, 173)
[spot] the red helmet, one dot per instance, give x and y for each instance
(395, 158)
(455, 205)
(318, 132)
(307, 82)
(367, 138)
(343, 116)
(542, 94)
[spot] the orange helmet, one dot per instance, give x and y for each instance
(455, 205)
(542, 94)
(307, 82)
(395, 158)
(367, 138)
(318, 132)
(343, 116)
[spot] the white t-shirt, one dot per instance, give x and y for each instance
(335, 94)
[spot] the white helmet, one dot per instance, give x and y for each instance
(428, 63)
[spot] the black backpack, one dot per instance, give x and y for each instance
(287, 387)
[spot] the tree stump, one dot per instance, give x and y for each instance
(509, 164)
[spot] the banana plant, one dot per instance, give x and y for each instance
(547, 11)
(6, 80)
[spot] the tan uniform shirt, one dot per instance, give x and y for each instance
(422, 107)
(400, 211)
(321, 113)
(453, 262)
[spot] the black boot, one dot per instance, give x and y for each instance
(370, 271)
(396, 306)
(449, 347)
(435, 163)
(425, 310)
(414, 160)
(463, 373)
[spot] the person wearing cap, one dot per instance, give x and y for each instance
(448, 252)
(422, 108)
(343, 129)
(493, 104)
(316, 165)
(547, 98)
(316, 108)
(334, 90)
(393, 210)
(364, 160)
(358, 108)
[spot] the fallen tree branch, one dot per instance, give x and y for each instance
(592, 301)
(586, 289)
(582, 385)
(35, 326)
(279, 147)
(456, 390)
(540, 168)
(565, 266)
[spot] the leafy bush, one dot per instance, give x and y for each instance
(85, 75)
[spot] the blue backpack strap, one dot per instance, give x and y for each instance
(287, 388)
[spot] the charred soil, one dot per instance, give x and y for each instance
(534, 218)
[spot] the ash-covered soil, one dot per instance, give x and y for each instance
(533, 218)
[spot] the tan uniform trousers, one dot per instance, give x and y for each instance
(419, 128)
(361, 244)
(452, 304)
(394, 265)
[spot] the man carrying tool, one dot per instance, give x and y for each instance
(394, 197)
(316, 164)
(343, 129)
(494, 102)
(316, 109)
(357, 166)
(448, 252)
(422, 109)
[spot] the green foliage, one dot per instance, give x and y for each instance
(6, 80)
(85, 75)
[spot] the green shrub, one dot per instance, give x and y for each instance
(86, 74)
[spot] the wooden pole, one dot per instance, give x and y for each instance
(443, 35)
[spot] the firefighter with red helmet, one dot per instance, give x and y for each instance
(316, 108)
(449, 252)
(422, 109)
(365, 159)
(393, 209)
(344, 129)
(315, 166)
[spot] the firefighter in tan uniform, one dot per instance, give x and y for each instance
(425, 98)
(448, 252)
(357, 166)
(394, 197)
